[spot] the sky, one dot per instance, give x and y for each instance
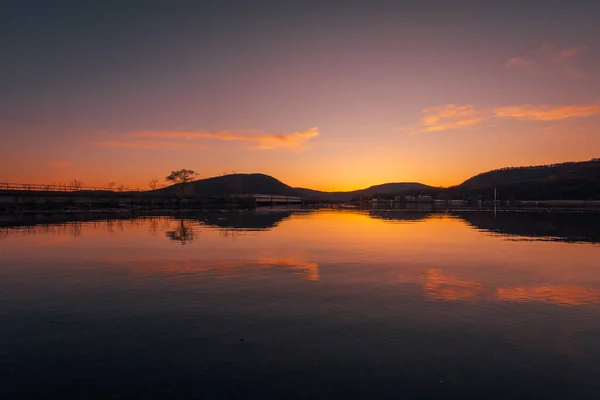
(329, 95)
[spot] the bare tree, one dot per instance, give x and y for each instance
(75, 185)
(121, 188)
(181, 178)
(153, 184)
(111, 185)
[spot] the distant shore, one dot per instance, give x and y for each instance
(27, 202)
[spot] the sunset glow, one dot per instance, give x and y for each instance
(317, 98)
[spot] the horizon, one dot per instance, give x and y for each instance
(331, 96)
(161, 186)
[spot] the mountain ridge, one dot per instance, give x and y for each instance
(569, 180)
(258, 183)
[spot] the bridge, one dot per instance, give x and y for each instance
(62, 187)
(273, 199)
(16, 196)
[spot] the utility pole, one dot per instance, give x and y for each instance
(495, 201)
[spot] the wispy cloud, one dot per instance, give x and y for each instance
(59, 164)
(547, 113)
(155, 140)
(132, 145)
(151, 145)
(262, 140)
(447, 117)
(548, 58)
(453, 116)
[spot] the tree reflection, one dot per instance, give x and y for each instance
(153, 225)
(183, 233)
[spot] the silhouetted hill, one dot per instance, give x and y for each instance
(538, 173)
(386, 189)
(568, 181)
(233, 184)
(571, 180)
(264, 184)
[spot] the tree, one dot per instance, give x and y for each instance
(75, 185)
(111, 185)
(153, 184)
(181, 177)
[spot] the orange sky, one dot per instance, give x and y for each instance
(316, 98)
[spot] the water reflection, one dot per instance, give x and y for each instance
(398, 215)
(567, 227)
(440, 286)
(247, 268)
(248, 220)
(184, 233)
(436, 303)
(565, 295)
(559, 226)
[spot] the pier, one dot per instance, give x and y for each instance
(21, 197)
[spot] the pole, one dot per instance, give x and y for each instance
(495, 201)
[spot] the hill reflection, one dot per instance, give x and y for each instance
(253, 220)
(566, 227)
(559, 226)
(236, 220)
(397, 215)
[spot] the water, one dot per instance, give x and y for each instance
(281, 304)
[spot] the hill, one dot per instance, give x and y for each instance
(539, 173)
(233, 184)
(570, 180)
(264, 184)
(386, 189)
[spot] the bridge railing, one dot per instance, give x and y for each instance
(40, 187)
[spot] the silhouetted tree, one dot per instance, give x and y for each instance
(75, 185)
(181, 177)
(153, 184)
(111, 185)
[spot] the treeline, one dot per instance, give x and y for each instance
(584, 170)
(575, 189)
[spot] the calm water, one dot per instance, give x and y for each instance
(317, 304)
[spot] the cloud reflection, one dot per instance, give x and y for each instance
(567, 295)
(260, 267)
(440, 286)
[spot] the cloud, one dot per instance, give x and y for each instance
(154, 140)
(151, 145)
(59, 164)
(549, 58)
(447, 117)
(132, 145)
(453, 116)
(546, 113)
(261, 140)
